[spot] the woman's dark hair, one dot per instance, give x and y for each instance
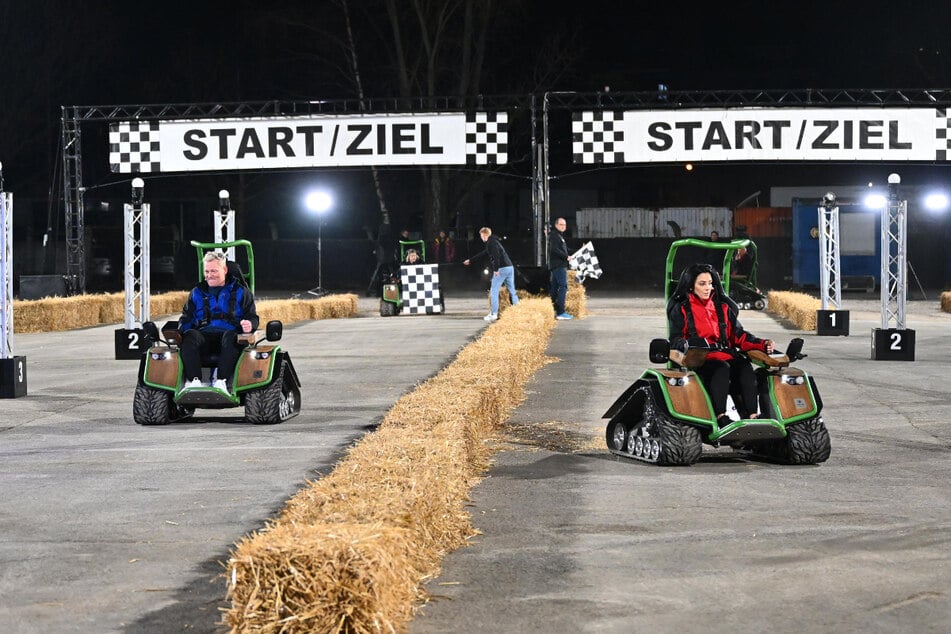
(689, 276)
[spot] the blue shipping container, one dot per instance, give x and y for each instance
(859, 242)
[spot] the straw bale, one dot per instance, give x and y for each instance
(334, 306)
(350, 551)
(946, 301)
(170, 303)
(286, 310)
(798, 308)
(576, 301)
(282, 584)
(56, 313)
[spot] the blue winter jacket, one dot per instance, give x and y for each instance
(224, 310)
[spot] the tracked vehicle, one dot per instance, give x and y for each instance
(666, 416)
(264, 383)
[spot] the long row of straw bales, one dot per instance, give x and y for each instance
(350, 552)
(576, 300)
(798, 308)
(946, 301)
(83, 311)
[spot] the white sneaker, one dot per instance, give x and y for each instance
(220, 384)
(193, 384)
(490, 317)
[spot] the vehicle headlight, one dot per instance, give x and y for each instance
(165, 355)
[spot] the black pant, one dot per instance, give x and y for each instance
(196, 343)
(735, 378)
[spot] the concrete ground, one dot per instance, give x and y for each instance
(112, 527)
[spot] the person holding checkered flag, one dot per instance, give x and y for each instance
(558, 265)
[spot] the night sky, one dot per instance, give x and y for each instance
(55, 53)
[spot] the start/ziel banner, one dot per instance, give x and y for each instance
(479, 138)
(761, 134)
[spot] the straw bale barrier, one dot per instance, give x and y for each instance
(798, 308)
(83, 311)
(576, 300)
(350, 552)
(946, 301)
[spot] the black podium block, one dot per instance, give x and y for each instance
(832, 323)
(13, 377)
(130, 343)
(893, 344)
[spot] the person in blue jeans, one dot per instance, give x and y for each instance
(558, 265)
(502, 271)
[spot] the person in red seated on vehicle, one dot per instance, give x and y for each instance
(217, 310)
(699, 312)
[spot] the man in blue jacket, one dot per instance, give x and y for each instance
(217, 310)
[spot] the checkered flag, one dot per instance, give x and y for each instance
(585, 262)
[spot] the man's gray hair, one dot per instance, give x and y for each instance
(215, 255)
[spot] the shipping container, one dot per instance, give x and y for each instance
(615, 222)
(640, 222)
(763, 222)
(693, 222)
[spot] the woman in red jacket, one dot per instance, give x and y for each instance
(700, 314)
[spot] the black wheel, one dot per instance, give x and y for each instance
(387, 309)
(153, 407)
(808, 442)
(759, 304)
(617, 436)
(680, 444)
(275, 403)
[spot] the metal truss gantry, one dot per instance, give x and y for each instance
(6, 275)
(138, 274)
(829, 263)
(894, 257)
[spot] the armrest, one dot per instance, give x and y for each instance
(777, 361)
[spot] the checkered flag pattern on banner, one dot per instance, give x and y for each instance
(585, 262)
(596, 137)
(420, 289)
(487, 138)
(134, 147)
(942, 136)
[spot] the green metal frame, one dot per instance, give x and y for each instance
(729, 248)
(406, 245)
(202, 247)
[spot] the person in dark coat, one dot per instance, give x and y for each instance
(503, 271)
(558, 266)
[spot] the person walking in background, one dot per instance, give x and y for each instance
(444, 250)
(558, 265)
(503, 272)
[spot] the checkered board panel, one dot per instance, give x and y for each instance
(420, 289)
(134, 147)
(942, 136)
(596, 137)
(487, 138)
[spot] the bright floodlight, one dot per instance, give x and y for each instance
(318, 202)
(875, 201)
(936, 201)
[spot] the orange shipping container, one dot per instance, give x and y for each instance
(763, 222)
